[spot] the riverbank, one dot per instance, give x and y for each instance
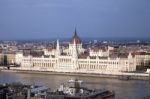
(132, 88)
(133, 76)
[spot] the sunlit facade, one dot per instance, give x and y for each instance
(73, 59)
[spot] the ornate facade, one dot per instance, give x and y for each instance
(74, 59)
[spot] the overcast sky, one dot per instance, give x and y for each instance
(38, 19)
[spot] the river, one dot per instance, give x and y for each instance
(132, 89)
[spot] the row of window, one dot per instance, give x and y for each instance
(51, 65)
(92, 67)
(100, 62)
(39, 60)
(69, 60)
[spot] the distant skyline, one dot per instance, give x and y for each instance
(44, 19)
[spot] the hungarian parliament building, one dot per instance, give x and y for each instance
(76, 59)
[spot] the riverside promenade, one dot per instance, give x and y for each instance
(115, 75)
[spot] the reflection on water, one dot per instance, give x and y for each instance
(132, 89)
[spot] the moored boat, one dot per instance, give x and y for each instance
(124, 77)
(74, 89)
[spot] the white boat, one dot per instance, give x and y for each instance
(76, 80)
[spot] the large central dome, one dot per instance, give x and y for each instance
(75, 38)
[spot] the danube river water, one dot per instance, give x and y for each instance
(132, 89)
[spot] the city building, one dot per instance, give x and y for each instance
(142, 58)
(75, 58)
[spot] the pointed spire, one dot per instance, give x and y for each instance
(130, 55)
(57, 45)
(57, 48)
(75, 33)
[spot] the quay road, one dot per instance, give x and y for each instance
(135, 76)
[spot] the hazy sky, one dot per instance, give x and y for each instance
(57, 18)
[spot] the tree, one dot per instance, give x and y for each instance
(5, 60)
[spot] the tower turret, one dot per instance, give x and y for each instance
(75, 53)
(57, 48)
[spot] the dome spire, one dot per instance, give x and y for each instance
(76, 38)
(75, 33)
